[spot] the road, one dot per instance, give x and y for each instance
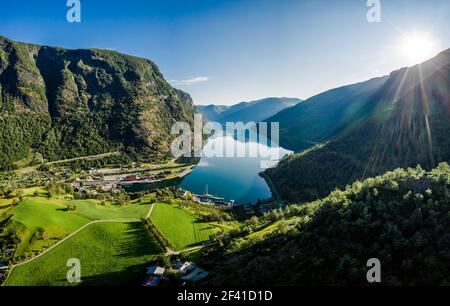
(92, 157)
(170, 252)
(63, 240)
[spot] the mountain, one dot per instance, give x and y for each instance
(404, 123)
(255, 111)
(213, 112)
(401, 218)
(322, 116)
(66, 103)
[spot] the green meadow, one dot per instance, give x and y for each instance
(92, 209)
(41, 222)
(110, 253)
(180, 227)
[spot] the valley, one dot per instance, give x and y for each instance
(87, 174)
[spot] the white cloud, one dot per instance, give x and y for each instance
(189, 82)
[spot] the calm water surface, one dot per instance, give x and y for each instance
(233, 178)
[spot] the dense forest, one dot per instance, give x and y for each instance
(401, 218)
(68, 103)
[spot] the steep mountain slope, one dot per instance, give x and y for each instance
(66, 103)
(408, 123)
(324, 115)
(255, 111)
(401, 218)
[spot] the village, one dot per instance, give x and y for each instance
(112, 179)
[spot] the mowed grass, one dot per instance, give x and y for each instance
(35, 213)
(51, 215)
(111, 254)
(93, 210)
(180, 227)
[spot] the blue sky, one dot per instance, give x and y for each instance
(227, 51)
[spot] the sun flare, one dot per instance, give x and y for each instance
(418, 47)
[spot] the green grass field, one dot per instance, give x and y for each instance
(40, 213)
(110, 254)
(91, 209)
(180, 227)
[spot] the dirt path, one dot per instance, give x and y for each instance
(150, 211)
(70, 236)
(64, 240)
(170, 252)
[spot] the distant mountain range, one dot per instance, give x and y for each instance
(254, 111)
(324, 115)
(67, 103)
(366, 129)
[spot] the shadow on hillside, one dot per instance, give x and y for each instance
(132, 276)
(137, 242)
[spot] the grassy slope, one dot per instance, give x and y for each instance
(180, 227)
(34, 213)
(92, 210)
(110, 254)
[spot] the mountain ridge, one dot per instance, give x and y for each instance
(253, 111)
(405, 125)
(71, 102)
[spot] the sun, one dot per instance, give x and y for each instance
(418, 47)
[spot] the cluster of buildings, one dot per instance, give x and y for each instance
(7, 252)
(112, 182)
(188, 272)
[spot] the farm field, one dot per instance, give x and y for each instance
(91, 209)
(110, 253)
(49, 217)
(180, 227)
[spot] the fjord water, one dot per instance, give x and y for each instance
(232, 178)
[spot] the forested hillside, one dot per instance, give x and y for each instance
(407, 123)
(325, 115)
(66, 103)
(401, 218)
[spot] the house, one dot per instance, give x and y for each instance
(195, 276)
(185, 267)
(3, 265)
(80, 190)
(156, 270)
(154, 276)
(9, 252)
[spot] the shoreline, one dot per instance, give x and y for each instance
(275, 194)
